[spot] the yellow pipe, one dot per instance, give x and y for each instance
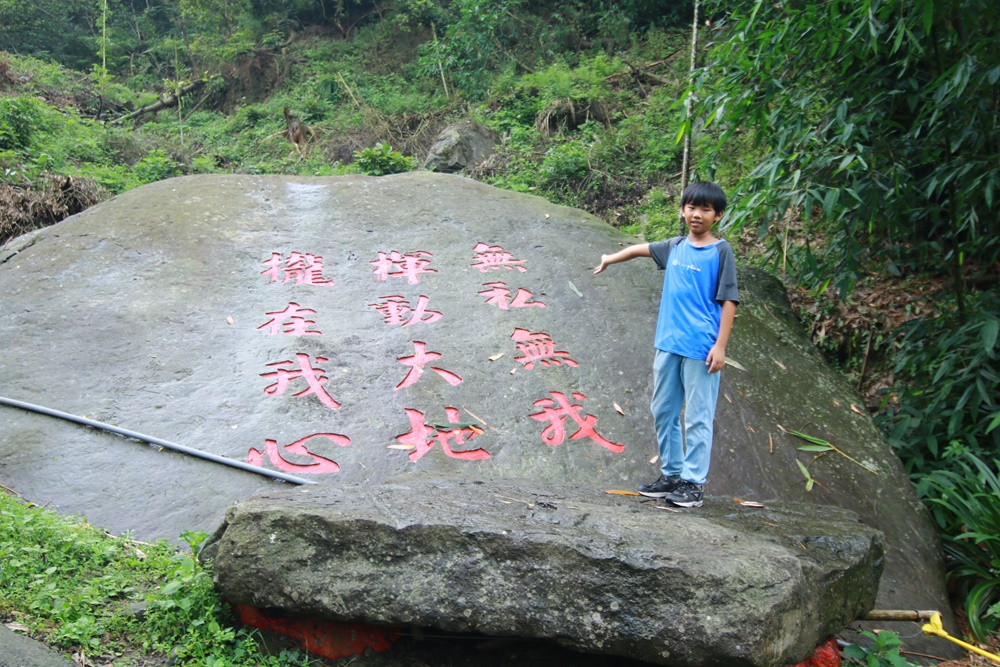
(935, 627)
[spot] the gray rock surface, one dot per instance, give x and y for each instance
(460, 146)
(20, 651)
(727, 585)
(197, 310)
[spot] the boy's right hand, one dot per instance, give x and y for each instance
(603, 265)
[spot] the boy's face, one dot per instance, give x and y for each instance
(699, 218)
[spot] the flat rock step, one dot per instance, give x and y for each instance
(720, 585)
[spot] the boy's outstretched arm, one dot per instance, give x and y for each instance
(631, 252)
(717, 355)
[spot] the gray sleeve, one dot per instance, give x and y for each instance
(660, 250)
(728, 290)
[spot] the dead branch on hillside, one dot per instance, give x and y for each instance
(163, 102)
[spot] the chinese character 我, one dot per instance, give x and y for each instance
(557, 409)
(285, 372)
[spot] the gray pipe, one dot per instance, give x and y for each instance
(156, 441)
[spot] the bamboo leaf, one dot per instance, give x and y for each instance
(815, 448)
(735, 364)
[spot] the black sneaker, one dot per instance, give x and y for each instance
(685, 494)
(660, 487)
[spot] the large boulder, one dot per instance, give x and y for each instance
(729, 585)
(351, 330)
(460, 146)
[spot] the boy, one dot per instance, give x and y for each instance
(697, 309)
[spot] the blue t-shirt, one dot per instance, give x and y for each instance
(695, 283)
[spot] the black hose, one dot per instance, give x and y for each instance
(156, 441)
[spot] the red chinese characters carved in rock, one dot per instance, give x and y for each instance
(499, 295)
(539, 347)
(300, 269)
(494, 257)
(397, 265)
(423, 436)
(557, 409)
(398, 313)
(285, 371)
(320, 464)
(420, 358)
(291, 321)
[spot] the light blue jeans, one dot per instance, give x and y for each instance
(682, 382)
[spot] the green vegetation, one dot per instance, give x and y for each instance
(858, 140)
(105, 596)
(884, 651)
(866, 138)
(966, 505)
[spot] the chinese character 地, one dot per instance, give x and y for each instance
(423, 436)
(320, 464)
(315, 378)
(557, 409)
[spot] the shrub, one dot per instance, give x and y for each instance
(565, 162)
(966, 506)
(156, 166)
(950, 386)
(71, 584)
(19, 119)
(381, 160)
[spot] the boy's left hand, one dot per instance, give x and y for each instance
(716, 359)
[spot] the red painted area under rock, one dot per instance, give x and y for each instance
(826, 655)
(329, 639)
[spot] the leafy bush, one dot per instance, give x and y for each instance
(565, 162)
(19, 119)
(156, 166)
(381, 160)
(586, 82)
(966, 506)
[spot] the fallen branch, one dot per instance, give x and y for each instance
(163, 103)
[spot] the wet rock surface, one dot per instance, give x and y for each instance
(725, 585)
(352, 330)
(19, 651)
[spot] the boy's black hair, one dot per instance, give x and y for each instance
(704, 193)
